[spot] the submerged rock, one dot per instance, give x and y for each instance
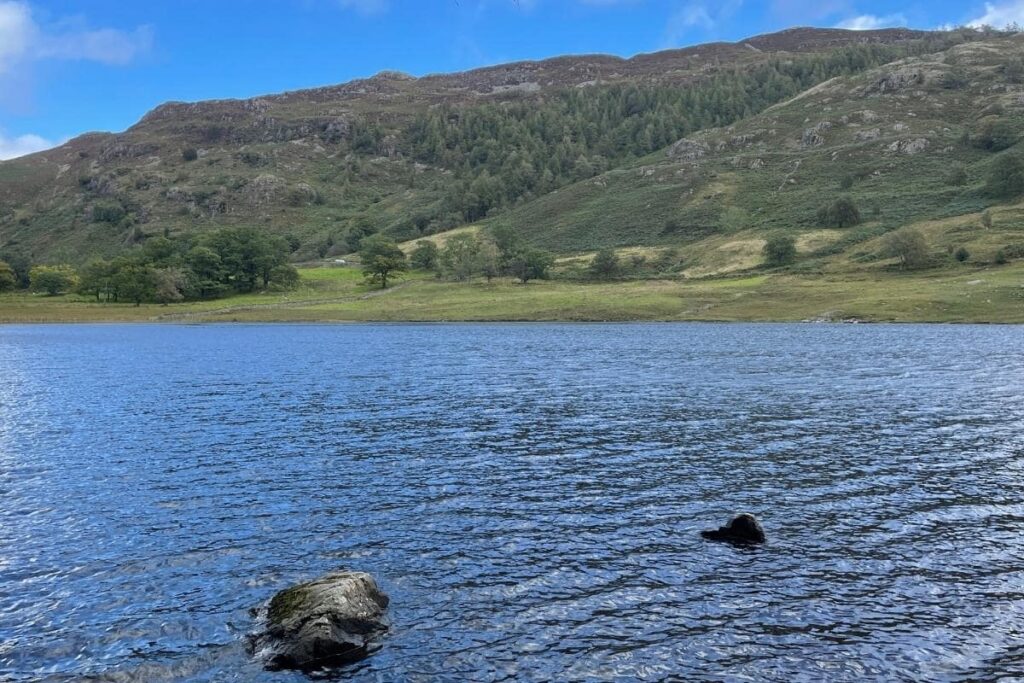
(743, 528)
(329, 621)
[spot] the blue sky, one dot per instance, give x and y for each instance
(71, 66)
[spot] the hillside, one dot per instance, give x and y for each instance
(889, 137)
(410, 156)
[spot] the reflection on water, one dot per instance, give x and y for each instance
(529, 496)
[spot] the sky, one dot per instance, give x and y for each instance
(74, 66)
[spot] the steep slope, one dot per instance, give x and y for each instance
(404, 155)
(890, 138)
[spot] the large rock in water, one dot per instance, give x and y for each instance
(329, 621)
(743, 528)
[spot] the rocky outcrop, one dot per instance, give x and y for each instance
(743, 528)
(323, 623)
(687, 150)
(910, 147)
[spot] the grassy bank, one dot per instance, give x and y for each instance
(994, 294)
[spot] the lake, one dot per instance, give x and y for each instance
(530, 496)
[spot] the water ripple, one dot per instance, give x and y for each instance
(530, 496)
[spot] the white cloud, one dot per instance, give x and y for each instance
(22, 39)
(700, 15)
(22, 145)
(870, 22)
(105, 45)
(17, 33)
(366, 7)
(1000, 15)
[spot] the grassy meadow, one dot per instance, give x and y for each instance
(949, 294)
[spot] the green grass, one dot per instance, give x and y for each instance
(950, 294)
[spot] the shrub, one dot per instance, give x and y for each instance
(108, 213)
(605, 264)
(779, 250)
(994, 134)
(961, 255)
(284, 276)
(842, 213)
(957, 176)
(531, 264)
(425, 255)
(1006, 177)
(1014, 70)
(955, 79)
(8, 280)
(909, 246)
(189, 154)
(53, 280)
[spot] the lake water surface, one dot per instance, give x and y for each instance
(530, 496)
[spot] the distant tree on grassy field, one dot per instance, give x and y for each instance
(381, 259)
(961, 255)
(490, 259)
(461, 256)
(20, 264)
(605, 264)
(531, 264)
(909, 246)
(8, 280)
(425, 255)
(842, 213)
(779, 250)
(53, 280)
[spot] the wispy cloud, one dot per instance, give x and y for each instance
(22, 40)
(869, 22)
(698, 15)
(1001, 14)
(13, 147)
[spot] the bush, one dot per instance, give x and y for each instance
(842, 213)
(284, 276)
(961, 255)
(531, 264)
(1006, 177)
(604, 265)
(779, 250)
(1008, 253)
(425, 255)
(189, 154)
(909, 246)
(955, 79)
(108, 213)
(8, 280)
(957, 176)
(994, 134)
(53, 280)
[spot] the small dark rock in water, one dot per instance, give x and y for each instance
(326, 622)
(743, 528)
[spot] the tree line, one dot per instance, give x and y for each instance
(167, 269)
(498, 252)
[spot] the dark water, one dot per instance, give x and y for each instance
(529, 496)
